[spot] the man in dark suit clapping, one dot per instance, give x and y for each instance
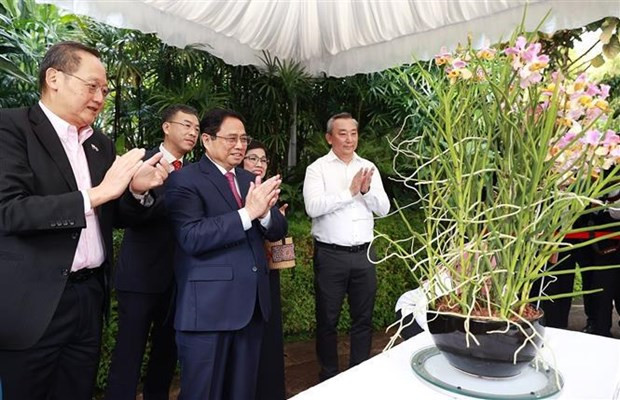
(144, 280)
(59, 185)
(221, 216)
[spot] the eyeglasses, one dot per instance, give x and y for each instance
(255, 159)
(232, 140)
(92, 86)
(187, 126)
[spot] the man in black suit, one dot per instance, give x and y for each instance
(144, 280)
(58, 182)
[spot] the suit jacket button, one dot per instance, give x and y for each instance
(254, 269)
(65, 223)
(71, 222)
(65, 272)
(74, 235)
(53, 224)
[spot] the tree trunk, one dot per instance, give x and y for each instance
(118, 96)
(292, 143)
(140, 124)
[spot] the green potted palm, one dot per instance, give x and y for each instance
(509, 156)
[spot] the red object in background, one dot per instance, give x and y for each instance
(592, 235)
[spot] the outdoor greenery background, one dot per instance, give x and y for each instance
(284, 108)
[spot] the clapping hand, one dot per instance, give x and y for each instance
(152, 173)
(262, 196)
(283, 208)
(117, 178)
(365, 187)
(361, 181)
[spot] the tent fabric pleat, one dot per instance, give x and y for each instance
(336, 38)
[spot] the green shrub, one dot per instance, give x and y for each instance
(393, 279)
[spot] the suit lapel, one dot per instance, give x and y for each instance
(219, 181)
(95, 156)
(244, 183)
(49, 138)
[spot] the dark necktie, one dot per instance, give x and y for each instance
(177, 165)
(230, 177)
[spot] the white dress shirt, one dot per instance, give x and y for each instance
(337, 217)
(168, 155)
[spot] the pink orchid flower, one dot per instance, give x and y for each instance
(591, 137)
(611, 138)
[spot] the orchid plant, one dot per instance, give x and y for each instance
(510, 155)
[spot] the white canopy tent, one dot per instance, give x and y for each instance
(336, 37)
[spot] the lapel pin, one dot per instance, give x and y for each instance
(94, 147)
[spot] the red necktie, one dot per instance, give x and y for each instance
(177, 165)
(230, 177)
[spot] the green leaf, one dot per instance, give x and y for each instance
(612, 49)
(608, 27)
(598, 61)
(8, 67)
(120, 145)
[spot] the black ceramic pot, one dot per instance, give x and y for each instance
(494, 355)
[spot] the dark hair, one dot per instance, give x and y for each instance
(63, 56)
(171, 111)
(342, 115)
(254, 144)
(212, 120)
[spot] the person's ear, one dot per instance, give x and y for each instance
(204, 138)
(165, 127)
(51, 78)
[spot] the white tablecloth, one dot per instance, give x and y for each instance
(589, 364)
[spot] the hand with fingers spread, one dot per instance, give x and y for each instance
(365, 186)
(262, 196)
(152, 173)
(117, 178)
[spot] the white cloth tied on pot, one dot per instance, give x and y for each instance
(415, 301)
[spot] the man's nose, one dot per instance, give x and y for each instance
(99, 98)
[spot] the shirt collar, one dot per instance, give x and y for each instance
(331, 156)
(168, 156)
(65, 130)
(219, 167)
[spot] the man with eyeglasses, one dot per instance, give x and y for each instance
(341, 192)
(144, 280)
(59, 182)
(221, 215)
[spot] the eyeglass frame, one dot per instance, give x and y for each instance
(263, 160)
(92, 86)
(187, 126)
(233, 141)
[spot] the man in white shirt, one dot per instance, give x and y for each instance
(341, 193)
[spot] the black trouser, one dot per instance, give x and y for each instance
(558, 310)
(270, 384)
(600, 306)
(338, 273)
(597, 306)
(63, 363)
(138, 315)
